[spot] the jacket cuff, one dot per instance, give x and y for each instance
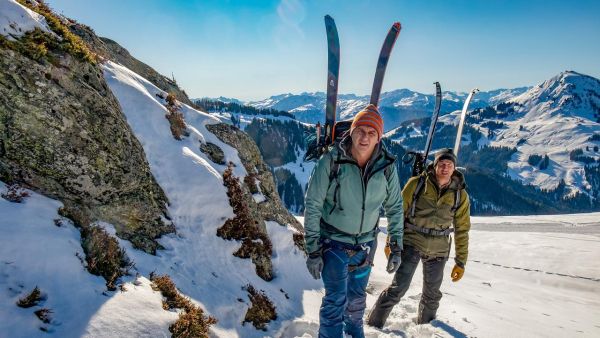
(459, 263)
(398, 241)
(395, 247)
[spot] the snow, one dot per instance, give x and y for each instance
(557, 116)
(16, 20)
(538, 280)
(300, 169)
(529, 276)
(36, 252)
(133, 313)
(533, 276)
(200, 263)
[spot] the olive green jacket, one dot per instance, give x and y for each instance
(352, 207)
(433, 210)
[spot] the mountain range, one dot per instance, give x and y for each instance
(543, 137)
(396, 106)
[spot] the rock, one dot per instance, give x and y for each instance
(70, 141)
(271, 209)
(214, 152)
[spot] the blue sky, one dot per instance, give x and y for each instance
(254, 49)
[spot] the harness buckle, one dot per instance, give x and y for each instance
(366, 247)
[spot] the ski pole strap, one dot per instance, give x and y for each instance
(428, 231)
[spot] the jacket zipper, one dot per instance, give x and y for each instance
(364, 191)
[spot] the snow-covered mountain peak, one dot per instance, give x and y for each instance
(568, 93)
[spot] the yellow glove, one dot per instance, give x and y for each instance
(457, 273)
(387, 249)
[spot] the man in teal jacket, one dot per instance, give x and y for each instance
(346, 191)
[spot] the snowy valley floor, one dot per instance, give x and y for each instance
(527, 276)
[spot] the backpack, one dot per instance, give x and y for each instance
(317, 145)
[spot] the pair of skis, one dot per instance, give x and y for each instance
(420, 159)
(333, 70)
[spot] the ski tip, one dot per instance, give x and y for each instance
(397, 25)
(328, 18)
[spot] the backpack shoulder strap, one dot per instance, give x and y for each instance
(456, 201)
(418, 190)
(388, 172)
(334, 171)
(334, 168)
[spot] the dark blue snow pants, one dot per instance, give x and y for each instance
(345, 275)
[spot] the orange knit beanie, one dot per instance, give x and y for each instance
(368, 117)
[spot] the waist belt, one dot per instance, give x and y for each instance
(352, 250)
(331, 229)
(428, 231)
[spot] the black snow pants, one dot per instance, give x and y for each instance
(433, 273)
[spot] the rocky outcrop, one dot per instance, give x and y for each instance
(62, 133)
(248, 225)
(213, 152)
(271, 209)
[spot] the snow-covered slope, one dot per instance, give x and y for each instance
(35, 251)
(16, 20)
(535, 276)
(553, 118)
(569, 94)
(200, 263)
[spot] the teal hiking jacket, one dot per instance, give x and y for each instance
(346, 208)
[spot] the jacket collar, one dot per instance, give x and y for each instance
(345, 146)
(380, 158)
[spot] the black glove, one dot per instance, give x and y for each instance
(314, 263)
(395, 259)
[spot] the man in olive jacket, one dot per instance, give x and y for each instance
(441, 204)
(345, 193)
